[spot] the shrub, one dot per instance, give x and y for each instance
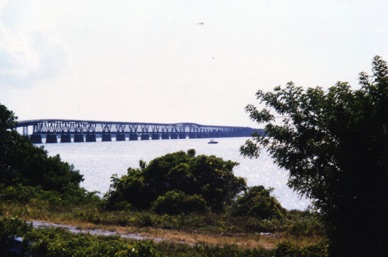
(177, 202)
(60, 242)
(308, 226)
(287, 249)
(202, 177)
(9, 229)
(257, 202)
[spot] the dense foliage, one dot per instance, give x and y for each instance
(177, 202)
(23, 163)
(9, 230)
(335, 145)
(257, 202)
(195, 181)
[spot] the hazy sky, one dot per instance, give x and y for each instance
(175, 61)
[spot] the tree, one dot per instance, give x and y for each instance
(21, 163)
(7, 119)
(175, 176)
(334, 144)
(7, 122)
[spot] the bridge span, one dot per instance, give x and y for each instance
(67, 131)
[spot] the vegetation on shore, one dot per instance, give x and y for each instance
(182, 194)
(334, 143)
(55, 241)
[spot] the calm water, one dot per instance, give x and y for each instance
(99, 161)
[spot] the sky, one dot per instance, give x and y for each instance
(172, 61)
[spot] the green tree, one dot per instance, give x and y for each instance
(206, 177)
(7, 140)
(23, 163)
(334, 144)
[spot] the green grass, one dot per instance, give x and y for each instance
(60, 242)
(207, 234)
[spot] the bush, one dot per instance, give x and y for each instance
(11, 228)
(305, 227)
(287, 249)
(197, 177)
(60, 242)
(177, 202)
(257, 202)
(47, 200)
(206, 250)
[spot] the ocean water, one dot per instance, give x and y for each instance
(98, 161)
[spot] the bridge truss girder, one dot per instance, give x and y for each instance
(123, 130)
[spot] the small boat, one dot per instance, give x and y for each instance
(212, 141)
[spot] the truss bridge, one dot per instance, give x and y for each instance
(68, 131)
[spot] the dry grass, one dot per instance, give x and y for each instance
(266, 241)
(186, 236)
